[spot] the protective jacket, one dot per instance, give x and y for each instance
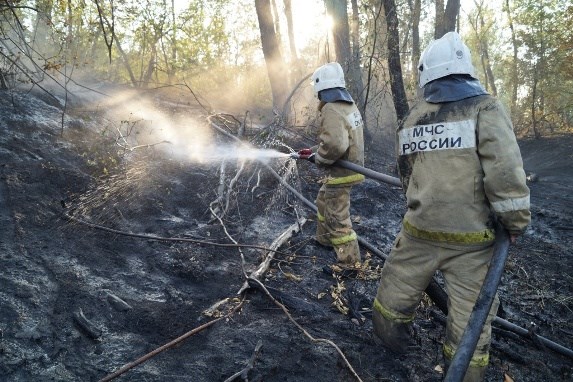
(340, 137)
(457, 161)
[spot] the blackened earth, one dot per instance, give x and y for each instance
(78, 302)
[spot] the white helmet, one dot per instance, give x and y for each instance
(444, 56)
(328, 76)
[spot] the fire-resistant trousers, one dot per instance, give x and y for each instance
(334, 227)
(408, 271)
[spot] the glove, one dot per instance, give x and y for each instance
(306, 154)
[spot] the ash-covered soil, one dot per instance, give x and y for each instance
(79, 301)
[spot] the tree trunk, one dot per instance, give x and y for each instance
(276, 23)
(70, 22)
(292, 43)
(533, 102)
(416, 11)
(485, 57)
(355, 67)
(451, 16)
(439, 21)
(170, 66)
(42, 26)
(125, 61)
(295, 69)
(370, 65)
(151, 67)
(447, 23)
(394, 65)
(341, 35)
(514, 78)
(271, 51)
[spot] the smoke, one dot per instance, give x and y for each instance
(175, 128)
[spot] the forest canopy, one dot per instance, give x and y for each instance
(242, 53)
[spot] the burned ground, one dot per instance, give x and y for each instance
(78, 302)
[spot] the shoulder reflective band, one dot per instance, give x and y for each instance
(346, 179)
(320, 216)
(484, 236)
(476, 361)
(391, 315)
(439, 136)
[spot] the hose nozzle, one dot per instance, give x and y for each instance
(295, 156)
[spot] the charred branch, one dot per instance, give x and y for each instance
(169, 345)
(243, 374)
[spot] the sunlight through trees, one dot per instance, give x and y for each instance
(521, 48)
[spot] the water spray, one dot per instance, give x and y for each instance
(212, 153)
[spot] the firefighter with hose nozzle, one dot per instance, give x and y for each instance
(340, 136)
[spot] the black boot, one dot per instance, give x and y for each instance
(395, 336)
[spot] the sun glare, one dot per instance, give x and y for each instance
(310, 21)
(328, 22)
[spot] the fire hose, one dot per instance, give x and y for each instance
(467, 345)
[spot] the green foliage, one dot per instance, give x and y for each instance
(214, 46)
(543, 102)
(203, 40)
(545, 64)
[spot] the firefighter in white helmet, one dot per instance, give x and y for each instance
(340, 136)
(461, 168)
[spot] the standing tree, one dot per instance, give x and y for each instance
(42, 28)
(171, 64)
(355, 66)
(447, 22)
(338, 10)
(292, 45)
(295, 68)
(483, 31)
(271, 51)
(394, 65)
(514, 75)
(439, 19)
(416, 10)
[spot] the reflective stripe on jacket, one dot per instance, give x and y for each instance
(458, 161)
(340, 137)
